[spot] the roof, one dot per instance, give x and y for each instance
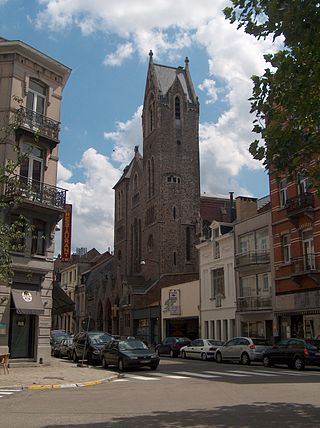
(128, 169)
(166, 76)
(214, 208)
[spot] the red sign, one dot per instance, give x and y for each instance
(66, 233)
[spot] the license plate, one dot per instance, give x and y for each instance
(145, 361)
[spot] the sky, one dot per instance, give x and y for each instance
(106, 44)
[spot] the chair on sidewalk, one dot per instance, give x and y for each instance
(4, 361)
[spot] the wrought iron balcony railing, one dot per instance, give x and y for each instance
(304, 264)
(37, 122)
(35, 191)
(254, 303)
(252, 258)
(300, 202)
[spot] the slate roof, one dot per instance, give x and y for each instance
(166, 76)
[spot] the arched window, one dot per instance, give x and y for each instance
(177, 110)
(149, 178)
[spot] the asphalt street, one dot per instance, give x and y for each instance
(181, 393)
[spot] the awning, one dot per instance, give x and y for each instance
(61, 302)
(27, 302)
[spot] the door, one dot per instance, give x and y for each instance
(228, 349)
(197, 348)
(22, 331)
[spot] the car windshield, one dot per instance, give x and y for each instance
(57, 339)
(100, 338)
(215, 342)
(182, 339)
(130, 345)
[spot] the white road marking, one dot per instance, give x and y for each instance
(6, 392)
(280, 372)
(121, 380)
(252, 373)
(227, 374)
(191, 374)
(140, 377)
(159, 374)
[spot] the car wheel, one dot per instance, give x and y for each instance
(245, 360)
(75, 358)
(183, 355)
(172, 354)
(298, 363)
(218, 357)
(266, 361)
(121, 365)
(204, 356)
(104, 363)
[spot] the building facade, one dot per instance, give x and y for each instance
(253, 265)
(296, 236)
(31, 87)
(217, 283)
(157, 199)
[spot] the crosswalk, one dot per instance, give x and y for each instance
(5, 392)
(217, 375)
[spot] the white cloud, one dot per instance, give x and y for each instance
(127, 135)
(64, 174)
(123, 52)
(209, 86)
(92, 200)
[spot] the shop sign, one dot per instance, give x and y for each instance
(27, 296)
(66, 234)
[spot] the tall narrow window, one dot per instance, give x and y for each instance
(38, 237)
(303, 184)
(217, 283)
(149, 178)
(177, 112)
(174, 213)
(308, 250)
(175, 258)
(32, 163)
(283, 192)
(152, 176)
(151, 113)
(286, 250)
(36, 97)
(188, 244)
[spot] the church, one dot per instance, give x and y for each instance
(157, 203)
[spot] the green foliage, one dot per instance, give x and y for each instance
(285, 99)
(13, 230)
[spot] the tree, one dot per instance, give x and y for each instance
(285, 99)
(13, 227)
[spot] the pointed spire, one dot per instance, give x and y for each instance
(187, 62)
(150, 56)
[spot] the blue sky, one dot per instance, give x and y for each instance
(106, 44)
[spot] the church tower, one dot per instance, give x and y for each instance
(157, 203)
(170, 124)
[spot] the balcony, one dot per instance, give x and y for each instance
(252, 258)
(254, 303)
(301, 204)
(305, 266)
(37, 123)
(24, 188)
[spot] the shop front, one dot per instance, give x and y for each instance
(146, 325)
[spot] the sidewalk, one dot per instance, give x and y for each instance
(61, 373)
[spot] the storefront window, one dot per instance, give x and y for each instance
(253, 329)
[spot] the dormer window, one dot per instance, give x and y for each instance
(36, 96)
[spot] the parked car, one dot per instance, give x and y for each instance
(55, 340)
(296, 353)
(87, 346)
(66, 348)
(171, 346)
(130, 353)
(200, 348)
(242, 349)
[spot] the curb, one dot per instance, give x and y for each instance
(66, 385)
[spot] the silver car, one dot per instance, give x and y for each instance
(242, 349)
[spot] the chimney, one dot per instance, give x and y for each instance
(246, 207)
(231, 211)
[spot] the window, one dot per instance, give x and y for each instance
(174, 213)
(303, 184)
(264, 283)
(177, 111)
(286, 248)
(308, 249)
(36, 96)
(283, 191)
(38, 237)
(151, 112)
(32, 163)
(174, 258)
(246, 243)
(248, 286)
(206, 331)
(217, 283)
(262, 240)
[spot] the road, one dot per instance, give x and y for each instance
(181, 393)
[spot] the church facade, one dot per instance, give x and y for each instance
(157, 202)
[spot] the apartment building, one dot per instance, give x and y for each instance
(31, 86)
